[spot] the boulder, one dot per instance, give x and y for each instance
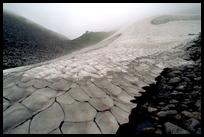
(151, 109)
(187, 113)
(192, 124)
(174, 80)
(174, 129)
(167, 113)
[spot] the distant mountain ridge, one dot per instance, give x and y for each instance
(90, 38)
(26, 42)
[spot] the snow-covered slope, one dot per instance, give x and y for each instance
(114, 53)
(90, 90)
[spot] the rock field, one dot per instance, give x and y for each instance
(172, 105)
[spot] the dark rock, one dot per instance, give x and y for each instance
(158, 131)
(177, 96)
(174, 129)
(174, 80)
(170, 106)
(197, 88)
(183, 106)
(186, 79)
(196, 115)
(176, 93)
(198, 131)
(192, 124)
(187, 114)
(161, 103)
(174, 73)
(197, 79)
(149, 130)
(143, 126)
(151, 109)
(166, 113)
(173, 101)
(198, 105)
(177, 117)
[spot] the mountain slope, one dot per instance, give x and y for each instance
(25, 42)
(90, 38)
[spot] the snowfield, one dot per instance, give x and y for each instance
(114, 53)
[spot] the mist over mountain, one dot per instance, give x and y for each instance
(90, 38)
(25, 42)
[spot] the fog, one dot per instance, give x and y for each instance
(73, 19)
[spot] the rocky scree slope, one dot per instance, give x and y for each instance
(172, 105)
(26, 43)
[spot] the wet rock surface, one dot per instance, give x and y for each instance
(172, 105)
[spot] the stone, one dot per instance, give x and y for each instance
(158, 131)
(198, 104)
(161, 103)
(178, 117)
(170, 106)
(174, 80)
(47, 120)
(187, 114)
(151, 109)
(78, 94)
(196, 115)
(61, 85)
(176, 93)
(180, 87)
(197, 79)
(143, 125)
(148, 130)
(184, 107)
(192, 124)
(80, 128)
(173, 101)
(40, 99)
(106, 122)
(174, 73)
(166, 113)
(15, 115)
(120, 115)
(65, 99)
(78, 112)
(21, 129)
(101, 104)
(174, 129)
(198, 131)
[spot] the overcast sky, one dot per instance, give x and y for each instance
(73, 19)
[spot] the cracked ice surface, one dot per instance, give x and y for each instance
(114, 55)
